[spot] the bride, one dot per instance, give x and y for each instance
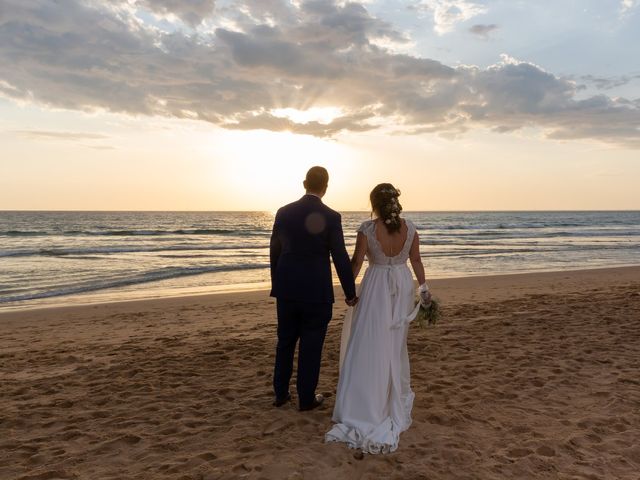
(374, 397)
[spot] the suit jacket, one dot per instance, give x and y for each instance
(305, 234)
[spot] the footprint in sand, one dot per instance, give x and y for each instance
(518, 452)
(546, 451)
(276, 426)
(48, 475)
(207, 456)
(240, 469)
(520, 429)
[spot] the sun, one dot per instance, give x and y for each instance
(272, 165)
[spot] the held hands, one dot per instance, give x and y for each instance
(425, 295)
(351, 302)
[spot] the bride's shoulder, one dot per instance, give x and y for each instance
(365, 226)
(411, 227)
(409, 223)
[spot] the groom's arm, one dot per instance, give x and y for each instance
(275, 246)
(341, 260)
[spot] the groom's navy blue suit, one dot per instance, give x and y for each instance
(305, 235)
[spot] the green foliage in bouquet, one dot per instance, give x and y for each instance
(430, 314)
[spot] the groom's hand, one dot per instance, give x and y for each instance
(351, 302)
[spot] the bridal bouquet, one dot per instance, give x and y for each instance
(430, 314)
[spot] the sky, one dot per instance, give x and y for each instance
(224, 104)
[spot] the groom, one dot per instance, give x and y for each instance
(305, 233)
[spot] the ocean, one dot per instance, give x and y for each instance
(61, 258)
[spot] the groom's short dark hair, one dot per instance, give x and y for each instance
(317, 179)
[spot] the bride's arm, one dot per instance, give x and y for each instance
(416, 260)
(358, 254)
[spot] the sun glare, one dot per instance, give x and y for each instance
(272, 166)
(324, 115)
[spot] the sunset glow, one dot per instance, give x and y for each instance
(465, 105)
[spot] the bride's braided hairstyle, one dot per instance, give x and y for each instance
(384, 200)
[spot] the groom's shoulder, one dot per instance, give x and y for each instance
(300, 207)
(331, 212)
(289, 207)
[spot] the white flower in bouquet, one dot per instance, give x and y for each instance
(429, 314)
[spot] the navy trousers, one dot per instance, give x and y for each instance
(308, 323)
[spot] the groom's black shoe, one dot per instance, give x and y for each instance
(278, 402)
(317, 401)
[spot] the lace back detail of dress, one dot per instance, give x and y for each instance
(374, 249)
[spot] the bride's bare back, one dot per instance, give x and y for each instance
(391, 243)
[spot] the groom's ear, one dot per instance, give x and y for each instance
(304, 184)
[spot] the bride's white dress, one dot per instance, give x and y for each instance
(374, 397)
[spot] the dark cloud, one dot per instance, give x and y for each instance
(607, 83)
(192, 12)
(483, 31)
(266, 47)
(272, 55)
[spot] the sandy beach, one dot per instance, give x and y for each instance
(527, 376)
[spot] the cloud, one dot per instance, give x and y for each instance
(192, 12)
(519, 94)
(265, 57)
(268, 121)
(608, 83)
(66, 136)
(448, 13)
(483, 31)
(59, 135)
(628, 5)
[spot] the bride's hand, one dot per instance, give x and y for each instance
(351, 302)
(425, 295)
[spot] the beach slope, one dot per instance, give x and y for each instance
(527, 376)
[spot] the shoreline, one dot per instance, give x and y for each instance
(94, 297)
(436, 285)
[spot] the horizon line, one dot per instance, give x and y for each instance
(344, 211)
